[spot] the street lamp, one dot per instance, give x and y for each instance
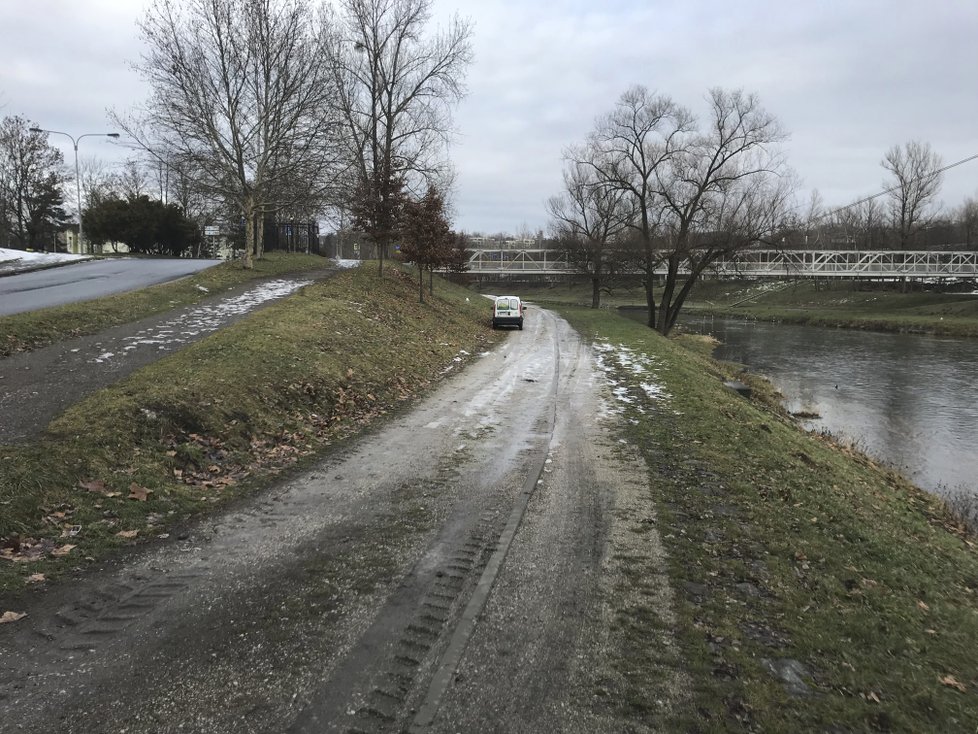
(74, 142)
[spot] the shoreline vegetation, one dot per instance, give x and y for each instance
(832, 303)
(816, 590)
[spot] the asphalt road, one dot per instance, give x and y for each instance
(89, 279)
(451, 572)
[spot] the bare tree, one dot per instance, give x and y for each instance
(31, 177)
(915, 169)
(588, 219)
(698, 194)
(241, 93)
(98, 180)
(132, 180)
(629, 146)
(967, 219)
(396, 88)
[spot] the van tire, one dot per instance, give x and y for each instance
(521, 324)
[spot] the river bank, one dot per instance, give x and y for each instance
(817, 591)
(835, 303)
(844, 304)
(904, 399)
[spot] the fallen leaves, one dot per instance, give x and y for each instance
(97, 486)
(62, 550)
(28, 550)
(35, 578)
(141, 494)
(951, 682)
(8, 617)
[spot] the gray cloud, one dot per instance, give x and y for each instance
(847, 79)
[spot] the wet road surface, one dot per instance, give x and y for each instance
(90, 279)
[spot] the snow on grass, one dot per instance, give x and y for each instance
(341, 263)
(13, 258)
(613, 360)
(176, 332)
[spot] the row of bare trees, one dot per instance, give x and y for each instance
(288, 105)
(653, 186)
(906, 215)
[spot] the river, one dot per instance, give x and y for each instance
(910, 401)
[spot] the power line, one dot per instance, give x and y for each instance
(894, 188)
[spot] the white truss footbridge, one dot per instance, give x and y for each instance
(757, 263)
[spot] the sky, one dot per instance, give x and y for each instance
(847, 79)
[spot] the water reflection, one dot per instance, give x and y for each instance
(909, 400)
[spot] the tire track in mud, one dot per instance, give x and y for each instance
(423, 631)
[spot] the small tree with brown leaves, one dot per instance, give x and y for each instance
(425, 236)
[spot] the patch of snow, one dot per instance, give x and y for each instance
(176, 332)
(612, 360)
(341, 263)
(15, 260)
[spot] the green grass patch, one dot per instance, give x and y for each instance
(784, 547)
(837, 303)
(35, 329)
(843, 304)
(220, 417)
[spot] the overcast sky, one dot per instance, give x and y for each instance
(847, 79)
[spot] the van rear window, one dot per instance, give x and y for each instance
(507, 303)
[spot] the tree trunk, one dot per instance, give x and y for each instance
(677, 305)
(662, 326)
(431, 282)
(420, 284)
(259, 235)
(595, 292)
(650, 298)
(249, 217)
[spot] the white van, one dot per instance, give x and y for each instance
(507, 311)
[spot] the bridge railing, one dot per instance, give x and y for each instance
(759, 263)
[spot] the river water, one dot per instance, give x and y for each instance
(910, 401)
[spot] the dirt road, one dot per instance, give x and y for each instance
(452, 572)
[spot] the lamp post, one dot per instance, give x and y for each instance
(74, 142)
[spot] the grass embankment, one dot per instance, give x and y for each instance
(842, 303)
(783, 547)
(838, 303)
(35, 329)
(213, 420)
